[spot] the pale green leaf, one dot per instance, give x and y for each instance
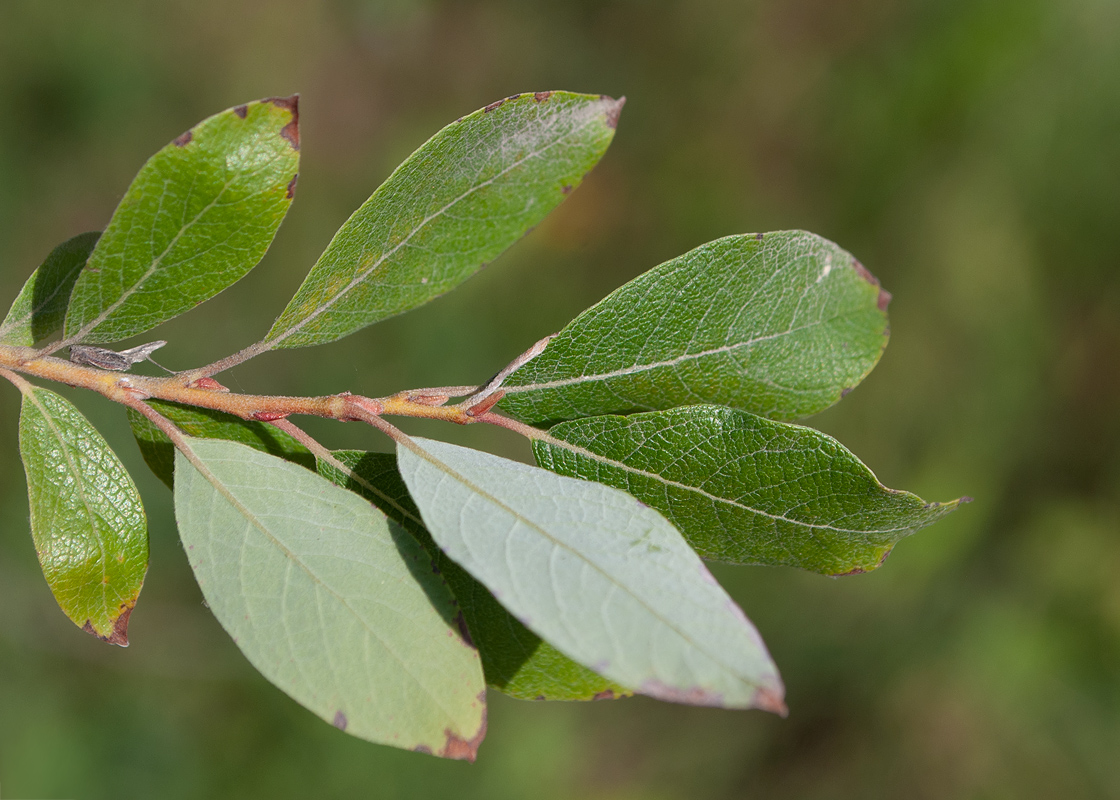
(198, 216)
(601, 576)
(40, 307)
(454, 205)
(86, 516)
(516, 661)
(744, 489)
(778, 324)
(332, 602)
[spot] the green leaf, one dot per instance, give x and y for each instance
(40, 308)
(516, 661)
(204, 423)
(778, 324)
(332, 602)
(744, 489)
(601, 576)
(466, 195)
(197, 217)
(86, 516)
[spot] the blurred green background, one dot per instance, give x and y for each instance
(967, 151)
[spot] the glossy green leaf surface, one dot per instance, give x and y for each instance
(198, 216)
(455, 204)
(331, 601)
(40, 307)
(87, 520)
(204, 423)
(516, 661)
(778, 324)
(604, 578)
(744, 489)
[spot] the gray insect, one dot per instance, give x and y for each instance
(111, 359)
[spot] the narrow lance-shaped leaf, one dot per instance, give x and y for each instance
(332, 602)
(205, 423)
(601, 576)
(86, 516)
(40, 307)
(744, 489)
(778, 324)
(516, 661)
(198, 216)
(466, 195)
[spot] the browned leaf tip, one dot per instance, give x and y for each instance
(613, 109)
(461, 749)
(119, 636)
(183, 139)
(771, 700)
(863, 272)
(290, 132)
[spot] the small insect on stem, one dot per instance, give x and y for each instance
(111, 359)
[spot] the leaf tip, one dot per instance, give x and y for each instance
(459, 749)
(884, 296)
(289, 132)
(771, 699)
(119, 634)
(614, 109)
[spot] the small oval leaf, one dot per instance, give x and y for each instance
(332, 602)
(198, 216)
(40, 308)
(778, 324)
(86, 516)
(744, 489)
(454, 205)
(601, 576)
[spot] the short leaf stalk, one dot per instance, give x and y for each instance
(385, 592)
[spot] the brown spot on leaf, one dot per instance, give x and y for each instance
(492, 106)
(606, 694)
(291, 130)
(339, 720)
(241, 111)
(292, 187)
(847, 390)
(540, 97)
(462, 749)
(267, 416)
(513, 97)
(422, 748)
(759, 236)
(566, 189)
(182, 139)
(614, 110)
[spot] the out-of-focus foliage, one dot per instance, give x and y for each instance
(967, 151)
